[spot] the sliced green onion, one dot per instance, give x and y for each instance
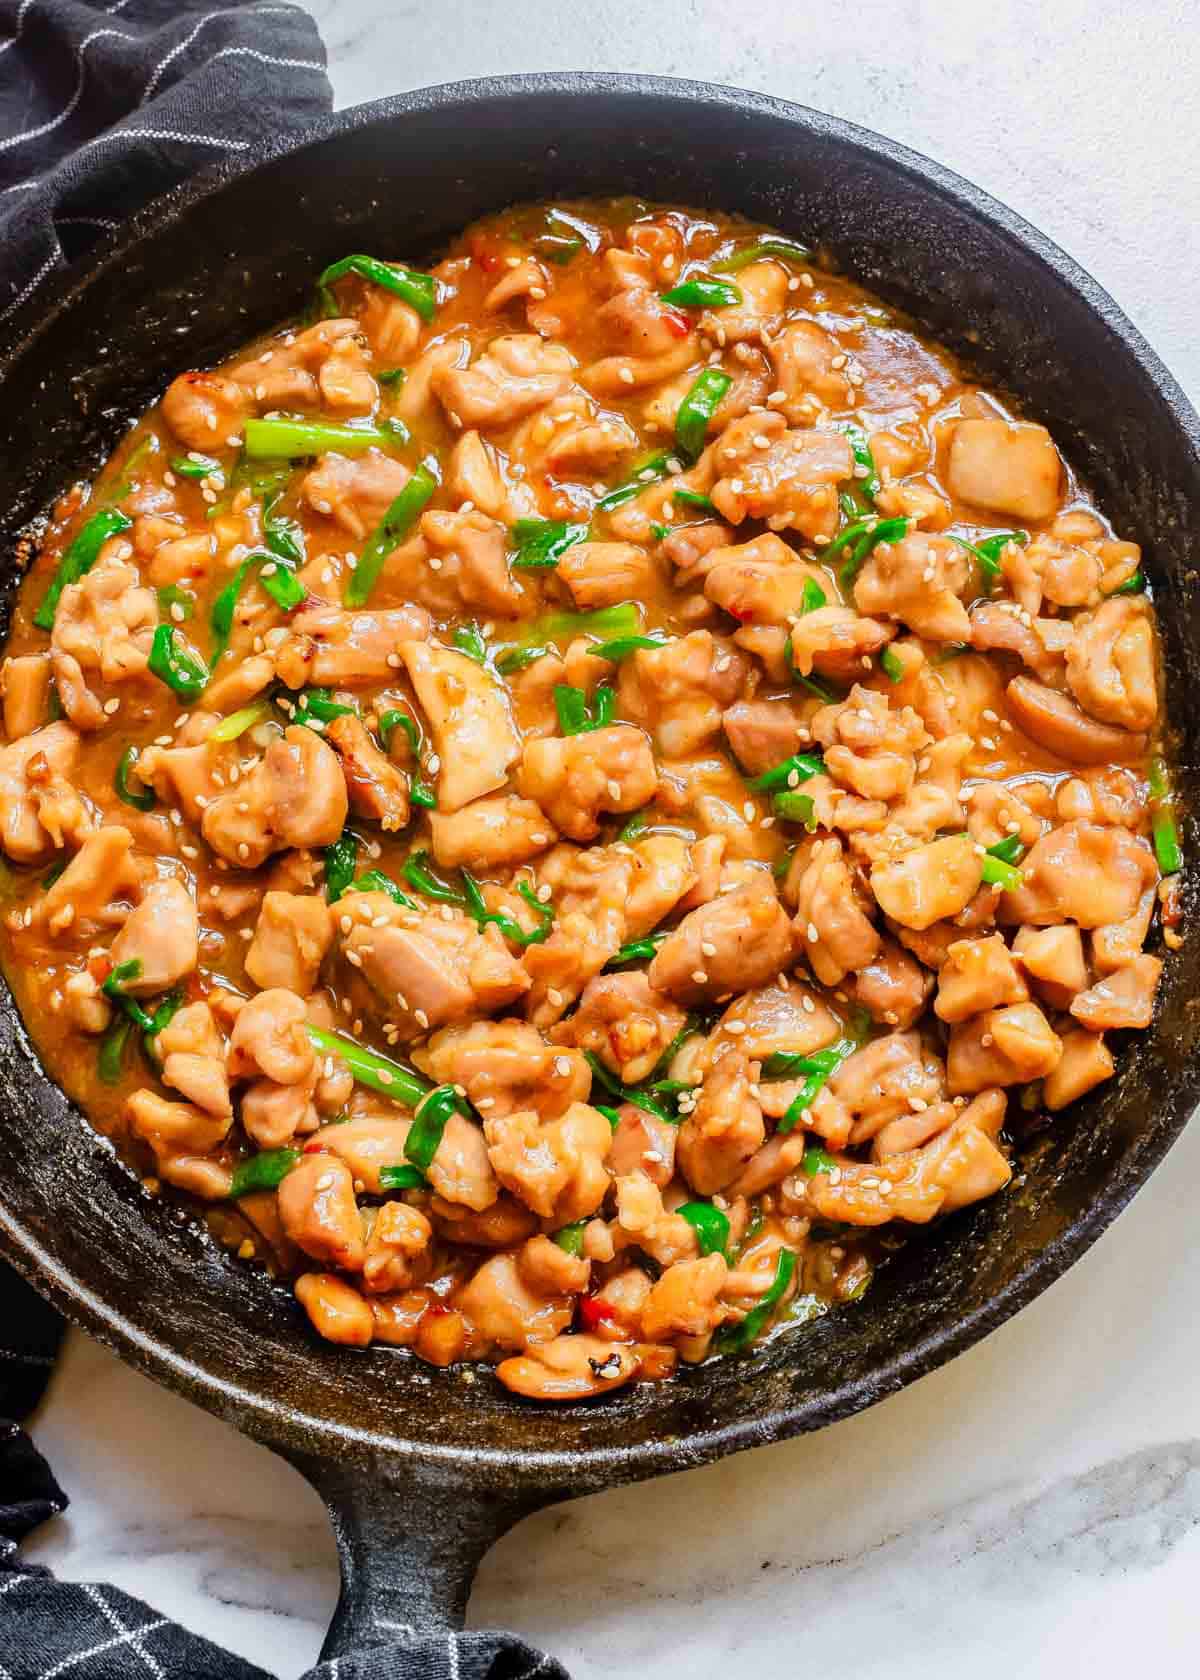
(341, 860)
(997, 873)
(429, 1122)
(575, 716)
(238, 722)
(868, 482)
(1134, 585)
(374, 880)
(78, 558)
(623, 646)
(391, 531)
(789, 774)
(693, 498)
(1008, 850)
(515, 659)
(738, 1336)
(189, 466)
(114, 987)
(541, 543)
(697, 409)
(883, 530)
(987, 553)
(891, 665)
(509, 927)
(276, 577)
(376, 1072)
(638, 950)
(710, 1225)
(111, 1054)
(319, 703)
(170, 595)
(821, 1065)
(795, 807)
(570, 1238)
(1163, 826)
(703, 294)
(785, 250)
(624, 619)
(144, 801)
(176, 663)
(402, 1177)
(812, 597)
(468, 640)
(626, 1093)
(649, 471)
(264, 1171)
(417, 873)
(420, 793)
(816, 1160)
(810, 683)
(636, 826)
(417, 290)
(392, 376)
(295, 440)
(283, 537)
(612, 1115)
(396, 719)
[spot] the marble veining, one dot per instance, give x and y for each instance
(1034, 1507)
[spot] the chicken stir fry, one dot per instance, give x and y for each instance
(573, 802)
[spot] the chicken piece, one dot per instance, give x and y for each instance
(336, 1310)
(642, 1143)
(25, 686)
(686, 1299)
(910, 1131)
(569, 1368)
(763, 286)
(790, 483)
(295, 796)
(724, 1128)
(835, 641)
(182, 1138)
(474, 475)
(663, 874)
(515, 376)
(334, 649)
(376, 789)
(1081, 873)
(1122, 999)
(1007, 1046)
(294, 932)
(469, 717)
(892, 988)
(427, 969)
(162, 934)
(762, 733)
(888, 1077)
(1086, 1062)
(325, 364)
(555, 1166)
(591, 891)
(997, 628)
(690, 549)
(355, 491)
(391, 327)
(200, 1079)
(85, 1006)
(270, 1038)
(772, 1018)
(550, 1270)
(1053, 959)
(651, 340)
(456, 564)
(504, 1066)
(625, 1022)
(869, 747)
(761, 581)
(929, 884)
(978, 974)
(810, 370)
(917, 580)
(319, 1213)
(1008, 468)
(679, 691)
(397, 1253)
(102, 873)
(577, 778)
(602, 574)
(1112, 665)
(831, 918)
(506, 1311)
(206, 410)
(103, 624)
(367, 1144)
(1121, 943)
(994, 809)
(643, 1221)
(272, 1114)
(1055, 722)
(491, 833)
(740, 940)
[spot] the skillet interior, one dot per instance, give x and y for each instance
(209, 268)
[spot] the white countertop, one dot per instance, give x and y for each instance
(1034, 1508)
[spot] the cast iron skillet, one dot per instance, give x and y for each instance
(422, 1468)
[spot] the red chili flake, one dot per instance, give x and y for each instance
(593, 1314)
(677, 321)
(483, 253)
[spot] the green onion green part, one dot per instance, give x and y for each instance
(789, 774)
(429, 1122)
(376, 1072)
(296, 440)
(403, 1177)
(143, 801)
(541, 543)
(784, 250)
(418, 290)
(264, 1171)
(710, 1225)
(176, 663)
(703, 294)
(697, 409)
(391, 531)
(78, 558)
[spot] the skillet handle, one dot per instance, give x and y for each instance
(409, 1540)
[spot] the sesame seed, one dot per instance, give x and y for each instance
(699, 977)
(708, 949)
(562, 1066)
(554, 997)
(813, 935)
(614, 790)
(420, 1017)
(625, 375)
(243, 850)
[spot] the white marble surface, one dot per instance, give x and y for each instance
(1033, 1508)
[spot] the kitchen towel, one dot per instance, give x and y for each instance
(101, 110)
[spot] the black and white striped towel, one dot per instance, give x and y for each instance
(101, 109)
